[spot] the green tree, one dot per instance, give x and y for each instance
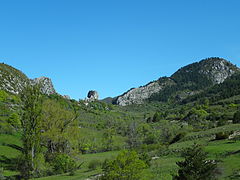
(236, 117)
(126, 166)
(133, 136)
(31, 132)
(60, 128)
(196, 166)
(62, 163)
(108, 137)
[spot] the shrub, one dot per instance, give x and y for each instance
(146, 158)
(236, 117)
(62, 163)
(126, 166)
(222, 135)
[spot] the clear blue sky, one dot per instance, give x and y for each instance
(112, 46)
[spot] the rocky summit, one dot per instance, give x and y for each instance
(45, 84)
(214, 69)
(92, 96)
(12, 80)
(188, 80)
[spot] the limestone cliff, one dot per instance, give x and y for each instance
(188, 80)
(45, 84)
(12, 80)
(139, 95)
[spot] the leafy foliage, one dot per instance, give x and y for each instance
(230, 87)
(31, 135)
(126, 166)
(236, 117)
(63, 163)
(59, 126)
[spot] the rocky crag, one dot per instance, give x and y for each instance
(186, 81)
(139, 95)
(12, 80)
(92, 96)
(45, 84)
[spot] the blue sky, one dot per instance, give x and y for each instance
(112, 46)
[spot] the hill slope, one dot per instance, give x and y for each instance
(188, 80)
(13, 80)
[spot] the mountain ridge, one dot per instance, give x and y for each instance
(186, 81)
(13, 81)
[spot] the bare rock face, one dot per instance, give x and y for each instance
(218, 70)
(11, 79)
(211, 70)
(92, 96)
(66, 97)
(14, 81)
(139, 95)
(45, 84)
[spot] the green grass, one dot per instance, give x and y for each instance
(84, 172)
(13, 139)
(9, 139)
(79, 175)
(164, 167)
(211, 132)
(223, 147)
(230, 164)
(8, 151)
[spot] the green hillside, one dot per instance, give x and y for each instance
(79, 139)
(11, 79)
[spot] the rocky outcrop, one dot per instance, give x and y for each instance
(214, 69)
(66, 97)
(11, 79)
(92, 96)
(217, 69)
(45, 84)
(139, 95)
(187, 81)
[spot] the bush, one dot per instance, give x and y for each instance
(94, 164)
(236, 117)
(221, 135)
(62, 163)
(126, 166)
(146, 158)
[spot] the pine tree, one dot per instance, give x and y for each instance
(196, 166)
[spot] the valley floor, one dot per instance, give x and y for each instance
(225, 151)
